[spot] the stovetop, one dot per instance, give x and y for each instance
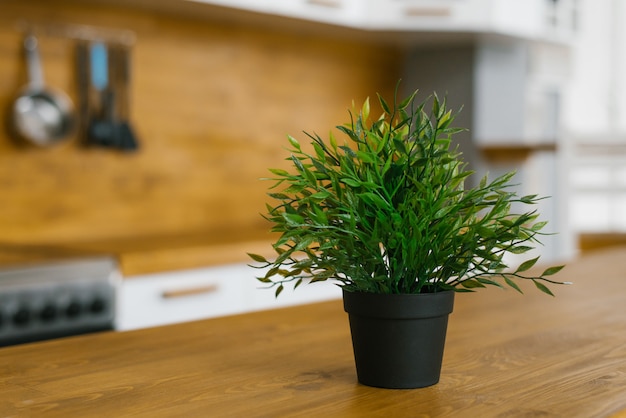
(56, 299)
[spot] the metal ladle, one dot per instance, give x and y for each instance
(41, 115)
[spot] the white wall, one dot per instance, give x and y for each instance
(586, 105)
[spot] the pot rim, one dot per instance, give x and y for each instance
(399, 306)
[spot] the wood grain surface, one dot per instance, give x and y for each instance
(507, 355)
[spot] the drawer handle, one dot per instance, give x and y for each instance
(177, 293)
(326, 3)
(427, 12)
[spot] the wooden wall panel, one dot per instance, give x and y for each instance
(212, 102)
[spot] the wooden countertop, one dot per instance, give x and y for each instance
(507, 355)
(149, 254)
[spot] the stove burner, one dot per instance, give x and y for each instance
(57, 299)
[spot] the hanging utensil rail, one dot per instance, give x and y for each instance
(78, 32)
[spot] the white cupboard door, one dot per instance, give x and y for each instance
(167, 298)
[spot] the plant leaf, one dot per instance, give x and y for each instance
(384, 104)
(258, 258)
(294, 142)
(471, 284)
(279, 290)
(293, 218)
(543, 288)
(406, 102)
(365, 111)
(552, 270)
(350, 182)
(520, 249)
(512, 283)
(366, 157)
(488, 282)
(527, 265)
(279, 172)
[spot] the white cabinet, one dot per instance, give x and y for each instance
(517, 92)
(179, 296)
(510, 89)
(597, 181)
(530, 19)
(166, 298)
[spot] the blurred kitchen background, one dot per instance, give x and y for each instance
(210, 89)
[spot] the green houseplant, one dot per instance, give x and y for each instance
(385, 214)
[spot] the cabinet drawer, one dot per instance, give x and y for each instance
(166, 298)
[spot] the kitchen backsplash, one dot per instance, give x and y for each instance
(211, 103)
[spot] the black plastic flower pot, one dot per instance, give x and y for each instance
(398, 340)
